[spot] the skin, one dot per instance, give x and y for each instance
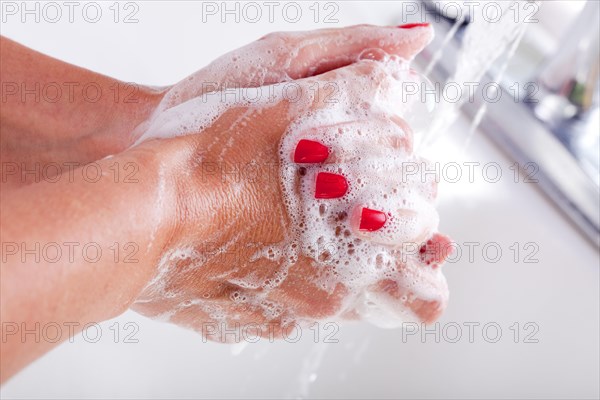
(161, 199)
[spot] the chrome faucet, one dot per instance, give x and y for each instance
(557, 128)
(571, 73)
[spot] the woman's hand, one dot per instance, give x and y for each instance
(286, 56)
(242, 252)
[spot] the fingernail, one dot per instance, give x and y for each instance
(415, 25)
(308, 151)
(330, 186)
(435, 250)
(371, 220)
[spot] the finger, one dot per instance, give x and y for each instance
(285, 56)
(320, 51)
(406, 303)
(303, 297)
(415, 291)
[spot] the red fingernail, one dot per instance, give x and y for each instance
(415, 25)
(372, 220)
(308, 151)
(330, 186)
(435, 250)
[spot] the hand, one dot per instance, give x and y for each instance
(251, 244)
(287, 56)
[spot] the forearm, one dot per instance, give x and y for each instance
(84, 252)
(56, 112)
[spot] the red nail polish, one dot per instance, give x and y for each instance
(372, 220)
(415, 25)
(330, 186)
(435, 250)
(308, 151)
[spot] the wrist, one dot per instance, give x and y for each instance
(163, 166)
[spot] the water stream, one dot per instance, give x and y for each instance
(483, 43)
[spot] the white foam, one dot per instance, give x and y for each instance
(373, 152)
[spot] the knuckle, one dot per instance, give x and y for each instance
(279, 38)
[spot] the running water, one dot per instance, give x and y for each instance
(484, 42)
(308, 372)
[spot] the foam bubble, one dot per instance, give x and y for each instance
(369, 126)
(375, 156)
